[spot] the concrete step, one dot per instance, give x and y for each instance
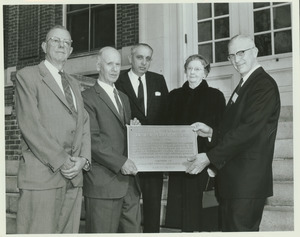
(11, 224)
(286, 113)
(283, 169)
(285, 130)
(11, 184)
(12, 202)
(283, 194)
(277, 219)
(283, 148)
(11, 167)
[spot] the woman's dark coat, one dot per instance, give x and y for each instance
(184, 206)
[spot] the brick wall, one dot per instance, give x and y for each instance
(127, 25)
(11, 20)
(12, 131)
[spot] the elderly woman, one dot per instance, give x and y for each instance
(194, 102)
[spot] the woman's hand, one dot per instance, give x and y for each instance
(135, 121)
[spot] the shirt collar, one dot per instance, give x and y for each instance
(250, 72)
(135, 77)
(108, 88)
(50, 66)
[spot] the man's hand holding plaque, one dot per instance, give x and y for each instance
(202, 129)
(198, 163)
(129, 168)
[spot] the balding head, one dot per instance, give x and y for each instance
(109, 65)
(247, 40)
(242, 53)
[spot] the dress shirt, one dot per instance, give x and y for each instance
(134, 79)
(55, 73)
(249, 74)
(110, 92)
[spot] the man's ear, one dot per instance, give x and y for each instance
(98, 65)
(44, 47)
(255, 51)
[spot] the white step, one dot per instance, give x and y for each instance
(283, 194)
(277, 219)
(285, 130)
(12, 202)
(286, 113)
(11, 184)
(283, 148)
(11, 225)
(11, 167)
(283, 169)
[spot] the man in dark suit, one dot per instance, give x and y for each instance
(56, 143)
(111, 190)
(147, 93)
(244, 150)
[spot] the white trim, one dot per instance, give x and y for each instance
(64, 15)
(7, 75)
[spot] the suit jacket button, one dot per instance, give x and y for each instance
(70, 112)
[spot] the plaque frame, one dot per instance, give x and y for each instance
(161, 148)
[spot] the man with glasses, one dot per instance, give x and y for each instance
(56, 144)
(244, 148)
(147, 93)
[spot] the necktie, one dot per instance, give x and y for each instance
(239, 86)
(67, 90)
(141, 95)
(120, 107)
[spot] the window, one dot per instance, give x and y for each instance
(213, 30)
(272, 28)
(91, 26)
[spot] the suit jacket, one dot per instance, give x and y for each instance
(50, 132)
(246, 139)
(109, 145)
(157, 93)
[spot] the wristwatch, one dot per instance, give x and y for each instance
(87, 165)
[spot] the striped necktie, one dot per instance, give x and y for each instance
(67, 90)
(119, 105)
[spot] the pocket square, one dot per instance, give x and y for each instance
(157, 93)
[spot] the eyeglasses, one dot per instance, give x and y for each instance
(196, 69)
(240, 53)
(55, 41)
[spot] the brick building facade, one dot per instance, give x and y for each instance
(25, 28)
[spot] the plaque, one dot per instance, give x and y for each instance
(161, 148)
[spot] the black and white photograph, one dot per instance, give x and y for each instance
(171, 118)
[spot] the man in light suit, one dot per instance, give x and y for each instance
(111, 190)
(55, 142)
(147, 93)
(244, 148)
